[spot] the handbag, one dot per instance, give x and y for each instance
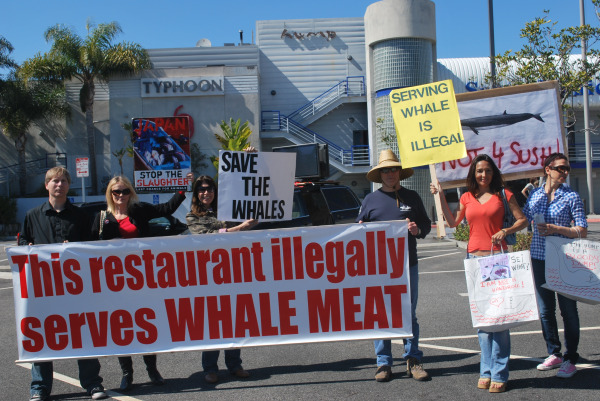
(102, 218)
(509, 221)
(573, 268)
(501, 291)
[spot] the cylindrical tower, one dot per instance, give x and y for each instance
(401, 52)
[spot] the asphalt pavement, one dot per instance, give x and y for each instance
(342, 370)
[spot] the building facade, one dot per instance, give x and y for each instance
(309, 80)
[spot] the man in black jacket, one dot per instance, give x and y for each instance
(58, 221)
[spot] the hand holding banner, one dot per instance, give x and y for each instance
(427, 124)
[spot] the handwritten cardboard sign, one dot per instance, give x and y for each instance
(211, 291)
(427, 124)
(501, 291)
(255, 185)
(573, 268)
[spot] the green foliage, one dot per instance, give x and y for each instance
(198, 160)
(523, 242)
(235, 137)
(461, 232)
(128, 149)
(22, 103)
(88, 59)
(547, 56)
(8, 210)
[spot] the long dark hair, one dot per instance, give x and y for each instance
(198, 207)
(497, 182)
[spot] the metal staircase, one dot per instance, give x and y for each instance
(348, 90)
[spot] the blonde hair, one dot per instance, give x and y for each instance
(57, 172)
(133, 198)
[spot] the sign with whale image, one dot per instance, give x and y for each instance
(517, 126)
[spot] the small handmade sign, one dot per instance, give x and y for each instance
(573, 268)
(501, 291)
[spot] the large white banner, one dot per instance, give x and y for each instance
(211, 291)
(517, 130)
(255, 185)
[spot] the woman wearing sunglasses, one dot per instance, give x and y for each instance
(483, 207)
(553, 207)
(127, 217)
(202, 219)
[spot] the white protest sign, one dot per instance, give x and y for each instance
(518, 127)
(501, 291)
(573, 268)
(255, 185)
(211, 291)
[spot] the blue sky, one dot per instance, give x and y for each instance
(462, 25)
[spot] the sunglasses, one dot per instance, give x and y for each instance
(206, 189)
(125, 191)
(561, 169)
(389, 170)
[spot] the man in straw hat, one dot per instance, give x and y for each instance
(394, 202)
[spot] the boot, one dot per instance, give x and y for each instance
(414, 369)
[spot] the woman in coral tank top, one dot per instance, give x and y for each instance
(483, 208)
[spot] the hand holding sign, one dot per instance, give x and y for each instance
(427, 124)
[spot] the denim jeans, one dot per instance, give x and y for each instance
(126, 363)
(495, 353)
(383, 348)
(42, 374)
(568, 310)
(233, 361)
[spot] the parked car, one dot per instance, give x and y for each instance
(317, 204)
(158, 227)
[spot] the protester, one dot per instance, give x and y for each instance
(59, 221)
(531, 185)
(202, 219)
(553, 207)
(483, 207)
(394, 202)
(127, 217)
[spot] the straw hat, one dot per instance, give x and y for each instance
(387, 158)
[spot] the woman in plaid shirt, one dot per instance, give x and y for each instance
(553, 207)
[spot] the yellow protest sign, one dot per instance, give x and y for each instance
(427, 124)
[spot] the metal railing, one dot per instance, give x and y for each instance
(273, 120)
(351, 86)
(355, 156)
(577, 152)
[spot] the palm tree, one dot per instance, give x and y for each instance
(235, 137)
(22, 103)
(87, 59)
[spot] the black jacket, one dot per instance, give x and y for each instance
(139, 215)
(44, 225)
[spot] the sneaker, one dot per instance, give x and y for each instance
(38, 397)
(414, 369)
(567, 369)
(552, 362)
(98, 393)
(383, 374)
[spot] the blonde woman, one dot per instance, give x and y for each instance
(127, 217)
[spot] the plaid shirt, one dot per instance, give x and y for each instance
(565, 208)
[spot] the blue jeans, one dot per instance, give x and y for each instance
(42, 374)
(495, 353)
(233, 361)
(383, 348)
(568, 310)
